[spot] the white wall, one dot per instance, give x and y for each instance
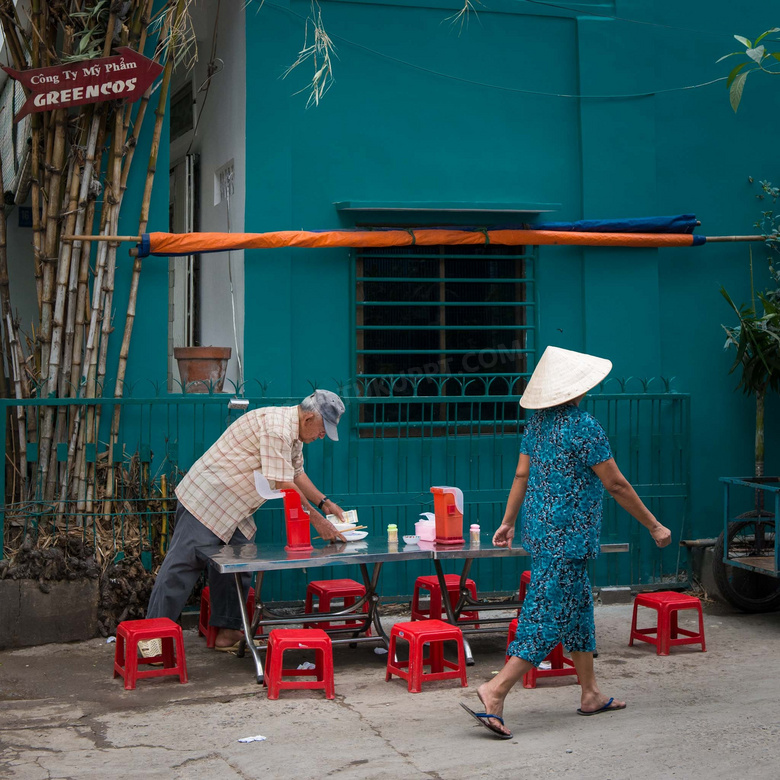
(21, 274)
(220, 137)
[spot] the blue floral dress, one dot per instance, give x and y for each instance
(560, 527)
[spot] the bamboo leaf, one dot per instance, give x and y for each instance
(756, 54)
(726, 56)
(744, 41)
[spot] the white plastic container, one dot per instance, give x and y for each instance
(425, 528)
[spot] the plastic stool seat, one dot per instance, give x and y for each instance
(281, 639)
(419, 633)
(126, 660)
(667, 633)
(209, 631)
(325, 591)
(560, 665)
(434, 611)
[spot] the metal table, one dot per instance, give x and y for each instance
(251, 558)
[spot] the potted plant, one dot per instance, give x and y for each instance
(756, 339)
(202, 369)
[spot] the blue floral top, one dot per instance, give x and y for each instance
(562, 508)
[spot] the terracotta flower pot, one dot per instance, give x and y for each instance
(202, 369)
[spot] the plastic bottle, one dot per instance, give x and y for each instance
(474, 533)
(392, 533)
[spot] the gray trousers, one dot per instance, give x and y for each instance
(182, 567)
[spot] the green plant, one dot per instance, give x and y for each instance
(757, 58)
(757, 341)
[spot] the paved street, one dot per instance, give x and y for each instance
(689, 715)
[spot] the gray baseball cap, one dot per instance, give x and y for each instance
(330, 407)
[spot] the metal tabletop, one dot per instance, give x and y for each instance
(237, 559)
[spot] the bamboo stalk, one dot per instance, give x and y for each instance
(106, 238)
(46, 459)
(80, 257)
(10, 342)
(145, 204)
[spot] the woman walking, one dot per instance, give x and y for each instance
(565, 463)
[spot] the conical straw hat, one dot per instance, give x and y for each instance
(562, 375)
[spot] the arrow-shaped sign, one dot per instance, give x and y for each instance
(123, 76)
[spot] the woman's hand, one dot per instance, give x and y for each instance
(325, 528)
(661, 534)
(504, 535)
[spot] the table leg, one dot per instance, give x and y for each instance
(258, 615)
(248, 639)
(373, 599)
(448, 607)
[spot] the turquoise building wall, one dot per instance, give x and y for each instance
(393, 129)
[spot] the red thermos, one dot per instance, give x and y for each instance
(296, 523)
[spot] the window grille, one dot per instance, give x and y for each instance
(444, 337)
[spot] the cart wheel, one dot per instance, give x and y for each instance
(743, 589)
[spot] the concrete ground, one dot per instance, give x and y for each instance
(689, 715)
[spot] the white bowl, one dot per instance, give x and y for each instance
(344, 526)
(411, 539)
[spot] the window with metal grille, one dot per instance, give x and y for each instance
(444, 337)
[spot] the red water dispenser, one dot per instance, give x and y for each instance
(448, 511)
(296, 523)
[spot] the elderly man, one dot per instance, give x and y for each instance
(217, 497)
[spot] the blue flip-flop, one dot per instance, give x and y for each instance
(482, 719)
(606, 708)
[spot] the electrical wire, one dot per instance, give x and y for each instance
(211, 71)
(228, 188)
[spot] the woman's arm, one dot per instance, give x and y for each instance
(621, 490)
(506, 531)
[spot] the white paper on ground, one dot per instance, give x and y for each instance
(259, 737)
(306, 665)
(264, 489)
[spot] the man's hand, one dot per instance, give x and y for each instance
(504, 535)
(661, 534)
(334, 509)
(325, 528)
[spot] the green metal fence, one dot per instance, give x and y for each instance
(395, 448)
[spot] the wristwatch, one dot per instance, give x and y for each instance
(324, 499)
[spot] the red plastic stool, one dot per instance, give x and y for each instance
(434, 611)
(325, 590)
(210, 632)
(667, 633)
(525, 581)
(281, 639)
(560, 665)
(126, 660)
(418, 634)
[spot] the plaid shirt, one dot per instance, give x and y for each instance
(219, 489)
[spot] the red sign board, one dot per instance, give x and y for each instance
(123, 76)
